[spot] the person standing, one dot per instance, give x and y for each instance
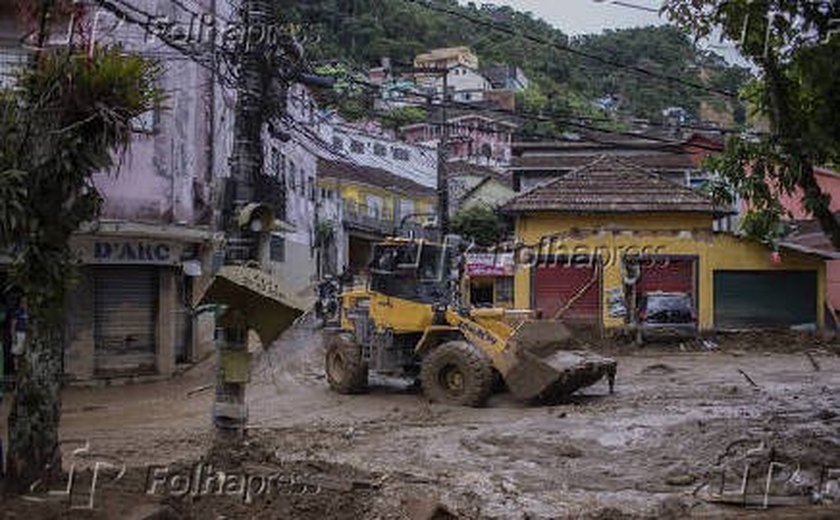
(19, 322)
(5, 340)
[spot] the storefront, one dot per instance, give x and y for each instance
(132, 311)
(636, 233)
(489, 279)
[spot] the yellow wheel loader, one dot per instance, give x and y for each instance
(408, 323)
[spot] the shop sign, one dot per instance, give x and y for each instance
(490, 264)
(129, 251)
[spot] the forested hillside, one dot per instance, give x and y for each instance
(361, 32)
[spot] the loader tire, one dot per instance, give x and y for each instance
(457, 373)
(346, 372)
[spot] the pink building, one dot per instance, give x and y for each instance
(829, 182)
(808, 233)
(132, 312)
(473, 138)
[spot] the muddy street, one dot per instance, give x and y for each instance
(677, 422)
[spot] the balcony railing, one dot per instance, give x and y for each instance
(375, 220)
(369, 218)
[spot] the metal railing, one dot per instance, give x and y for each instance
(371, 218)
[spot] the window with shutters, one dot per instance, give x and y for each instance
(292, 174)
(379, 149)
(406, 207)
(374, 206)
(277, 248)
(401, 154)
(278, 164)
(504, 289)
(357, 146)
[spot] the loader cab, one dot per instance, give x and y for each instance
(414, 270)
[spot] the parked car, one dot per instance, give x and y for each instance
(666, 314)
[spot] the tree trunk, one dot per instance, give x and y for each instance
(34, 455)
(818, 203)
(791, 137)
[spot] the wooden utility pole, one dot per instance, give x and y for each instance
(443, 145)
(442, 163)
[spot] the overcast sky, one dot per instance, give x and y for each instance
(576, 17)
(590, 16)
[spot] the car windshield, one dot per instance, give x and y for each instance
(669, 302)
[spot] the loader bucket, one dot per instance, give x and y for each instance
(543, 367)
(268, 307)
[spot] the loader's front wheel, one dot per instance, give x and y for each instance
(346, 372)
(457, 373)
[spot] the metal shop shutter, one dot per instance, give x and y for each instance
(744, 299)
(667, 275)
(555, 286)
(125, 317)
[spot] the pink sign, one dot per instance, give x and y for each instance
(489, 264)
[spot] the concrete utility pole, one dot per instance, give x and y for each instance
(249, 235)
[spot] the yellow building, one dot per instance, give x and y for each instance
(447, 57)
(593, 239)
(375, 204)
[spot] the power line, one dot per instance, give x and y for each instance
(121, 11)
(433, 98)
(569, 121)
(384, 164)
(318, 141)
(426, 4)
(635, 6)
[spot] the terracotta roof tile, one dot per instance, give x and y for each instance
(609, 184)
(654, 161)
(459, 168)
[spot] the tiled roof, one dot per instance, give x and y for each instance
(809, 237)
(653, 161)
(609, 184)
(372, 177)
(459, 168)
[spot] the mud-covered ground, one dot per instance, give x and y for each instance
(681, 417)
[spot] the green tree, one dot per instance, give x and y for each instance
(347, 95)
(399, 117)
(68, 117)
(798, 92)
(481, 224)
(361, 32)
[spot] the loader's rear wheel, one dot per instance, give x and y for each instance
(457, 373)
(346, 372)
